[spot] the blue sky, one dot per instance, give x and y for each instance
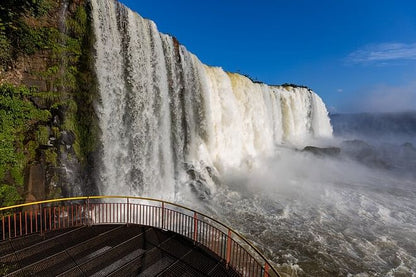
(358, 55)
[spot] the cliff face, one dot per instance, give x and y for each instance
(47, 86)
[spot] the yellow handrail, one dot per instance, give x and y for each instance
(145, 199)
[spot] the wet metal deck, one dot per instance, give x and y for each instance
(108, 250)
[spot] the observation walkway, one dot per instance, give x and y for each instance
(121, 236)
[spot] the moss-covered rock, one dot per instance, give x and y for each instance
(47, 90)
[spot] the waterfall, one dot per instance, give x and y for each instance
(164, 114)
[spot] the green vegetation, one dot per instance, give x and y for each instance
(51, 157)
(9, 195)
(85, 93)
(15, 34)
(18, 118)
(287, 85)
(42, 135)
(78, 25)
(5, 47)
(60, 53)
(32, 40)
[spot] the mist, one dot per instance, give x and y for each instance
(396, 128)
(323, 215)
(344, 208)
(349, 212)
(383, 98)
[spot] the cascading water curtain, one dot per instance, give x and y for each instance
(162, 110)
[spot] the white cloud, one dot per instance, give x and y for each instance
(383, 52)
(340, 90)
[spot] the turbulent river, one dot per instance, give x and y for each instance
(174, 128)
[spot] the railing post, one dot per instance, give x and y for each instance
(266, 269)
(3, 228)
(88, 211)
(128, 211)
(195, 227)
(41, 218)
(10, 226)
(163, 215)
(228, 247)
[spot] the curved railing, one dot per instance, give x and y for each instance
(44, 216)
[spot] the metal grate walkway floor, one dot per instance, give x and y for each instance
(108, 250)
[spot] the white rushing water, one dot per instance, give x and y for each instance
(174, 128)
(162, 111)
